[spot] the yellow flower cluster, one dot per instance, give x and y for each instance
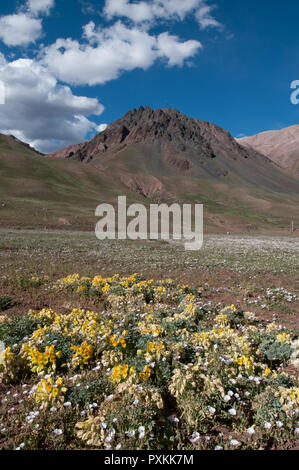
(9, 365)
(244, 362)
(49, 392)
(40, 361)
(119, 372)
(82, 355)
(269, 373)
(153, 338)
(289, 398)
(121, 340)
(145, 375)
(284, 338)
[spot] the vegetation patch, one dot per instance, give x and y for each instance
(154, 369)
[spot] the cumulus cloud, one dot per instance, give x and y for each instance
(19, 29)
(153, 10)
(37, 7)
(137, 12)
(174, 51)
(24, 27)
(40, 111)
(107, 52)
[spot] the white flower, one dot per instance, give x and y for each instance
(267, 425)
(57, 432)
(251, 431)
(297, 431)
(67, 404)
(279, 424)
(135, 402)
(110, 397)
(53, 409)
(234, 442)
(20, 446)
(212, 410)
(131, 433)
(118, 447)
(195, 437)
(232, 412)
(173, 419)
(227, 398)
(218, 448)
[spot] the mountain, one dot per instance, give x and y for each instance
(10, 144)
(150, 156)
(280, 146)
(39, 192)
(164, 155)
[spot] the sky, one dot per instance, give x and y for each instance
(70, 67)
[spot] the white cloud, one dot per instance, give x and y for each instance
(110, 51)
(138, 12)
(205, 19)
(19, 29)
(37, 7)
(23, 27)
(40, 111)
(102, 127)
(153, 10)
(175, 51)
(48, 115)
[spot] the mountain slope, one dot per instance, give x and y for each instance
(166, 142)
(150, 156)
(282, 146)
(38, 192)
(166, 156)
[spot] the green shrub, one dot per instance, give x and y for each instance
(16, 329)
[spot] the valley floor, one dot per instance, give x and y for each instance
(257, 271)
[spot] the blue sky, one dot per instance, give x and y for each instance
(228, 62)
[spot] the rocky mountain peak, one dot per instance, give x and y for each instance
(167, 126)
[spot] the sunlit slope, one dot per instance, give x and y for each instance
(36, 191)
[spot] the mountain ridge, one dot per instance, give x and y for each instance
(151, 156)
(185, 145)
(281, 146)
(148, 125)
